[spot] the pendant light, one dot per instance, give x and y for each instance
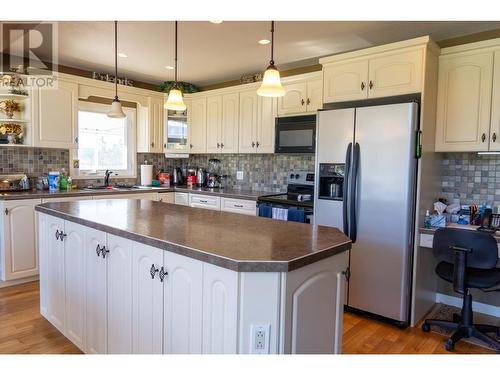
(174, 101)
(116, 110)
(271, 83)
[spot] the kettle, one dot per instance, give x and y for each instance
(200, 177)
(177, 176)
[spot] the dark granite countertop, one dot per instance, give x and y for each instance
(237, 242)
(229, 193)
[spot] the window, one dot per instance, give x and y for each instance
(105, 143)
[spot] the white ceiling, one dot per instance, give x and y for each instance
(211, 53)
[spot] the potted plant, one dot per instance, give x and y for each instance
(9, 107)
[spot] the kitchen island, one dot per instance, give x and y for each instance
(137, 276)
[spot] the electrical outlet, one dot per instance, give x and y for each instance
(239, 175)
(259, 339)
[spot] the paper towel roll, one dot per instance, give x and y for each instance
(146, 174)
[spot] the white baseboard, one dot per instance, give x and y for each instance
(4, 284)
(479, 307)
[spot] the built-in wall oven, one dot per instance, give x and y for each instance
(295, 134)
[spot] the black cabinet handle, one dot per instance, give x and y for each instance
(163, 273)
(257, 144)
(153, 271)
(253, 144)
(98, 250)
(494, 137)
(218, 144)
(370, 85)
(190, 145)
(238, 205)
(483, 137)
(222, 145)
(104, 251)
(308, 101)
(57, 234)
(302, 101)
(362, 86)
(62, 235)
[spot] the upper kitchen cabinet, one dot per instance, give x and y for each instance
(150, 127)
(257, 120)
(55, 115)
(468, 106)
(197, 123)
(302, 94)
(222, 123)
(388, 70)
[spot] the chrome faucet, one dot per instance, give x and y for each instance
(106, 177)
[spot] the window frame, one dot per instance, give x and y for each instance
(131, 121)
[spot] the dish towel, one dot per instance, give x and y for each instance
(265, 211)
(297, 215)
(280, 213)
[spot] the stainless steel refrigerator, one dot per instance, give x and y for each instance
(366, 166)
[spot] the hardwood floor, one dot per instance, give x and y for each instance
(24, 330)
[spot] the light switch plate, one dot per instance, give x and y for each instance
(239, 175)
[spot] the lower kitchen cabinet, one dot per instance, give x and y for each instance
(209, 202)
(19, 257)
(238, 206)
(166, 197)
(181, 199)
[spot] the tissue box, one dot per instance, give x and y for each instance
(438, 221)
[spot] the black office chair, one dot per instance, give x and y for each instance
(468, 260)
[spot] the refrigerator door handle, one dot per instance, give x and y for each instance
(353, 192)
(345, 199)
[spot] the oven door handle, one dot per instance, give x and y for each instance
(345, 199)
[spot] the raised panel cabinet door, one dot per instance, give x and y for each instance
(96, 324)
(464, 102)
(229, 128)
(220, 310)
(266, 122)
(248, 121)
(55, 277)
(495, 107)
(214, 124)
(119, 282)
(343, 81)
(147, 300)
(21, 257)
(314, 99)
(197, 119)
(396, 74)
(56, 116)
(294, 100)
(182, 305)
(156, 125)
(74, 267)
(43, 247)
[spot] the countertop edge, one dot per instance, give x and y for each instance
(431, 231)
(217, 260)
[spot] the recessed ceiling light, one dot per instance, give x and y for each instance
(121, 54)
(264, 41)
(216, 22)
(169, 67)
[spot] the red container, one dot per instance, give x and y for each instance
(191, 181)
(164, 178)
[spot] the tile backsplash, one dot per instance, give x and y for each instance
(472, 178)
(266, 172)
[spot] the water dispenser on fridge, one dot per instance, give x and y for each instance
(331, 181)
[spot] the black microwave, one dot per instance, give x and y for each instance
(295, 134)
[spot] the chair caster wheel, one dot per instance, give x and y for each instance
(449, 345)
(426, 327)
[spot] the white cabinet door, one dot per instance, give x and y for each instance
(344, 81)
(119, 290)
(147, 300)
(266, 117)
(42, 246)
(209, 202)
(396, 74)
(96, 325)
(166, 197)
(495, 106)
(214, 123)
(55, 116)
(181, 199)
(74, 270)
(220, 310)
(150, 130)
(314, 99)
(55, 277)
(20, 258)
(229, 126)
(182, 305)
(239, 206)
(197, 119)
(464, 102)
(248, 118)
(294, 100)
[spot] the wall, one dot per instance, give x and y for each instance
(266, 172)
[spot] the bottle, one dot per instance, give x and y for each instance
(63, 180)
(427, 220)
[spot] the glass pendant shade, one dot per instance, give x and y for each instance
(271, 83)
(116, 110)
(175, 101)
